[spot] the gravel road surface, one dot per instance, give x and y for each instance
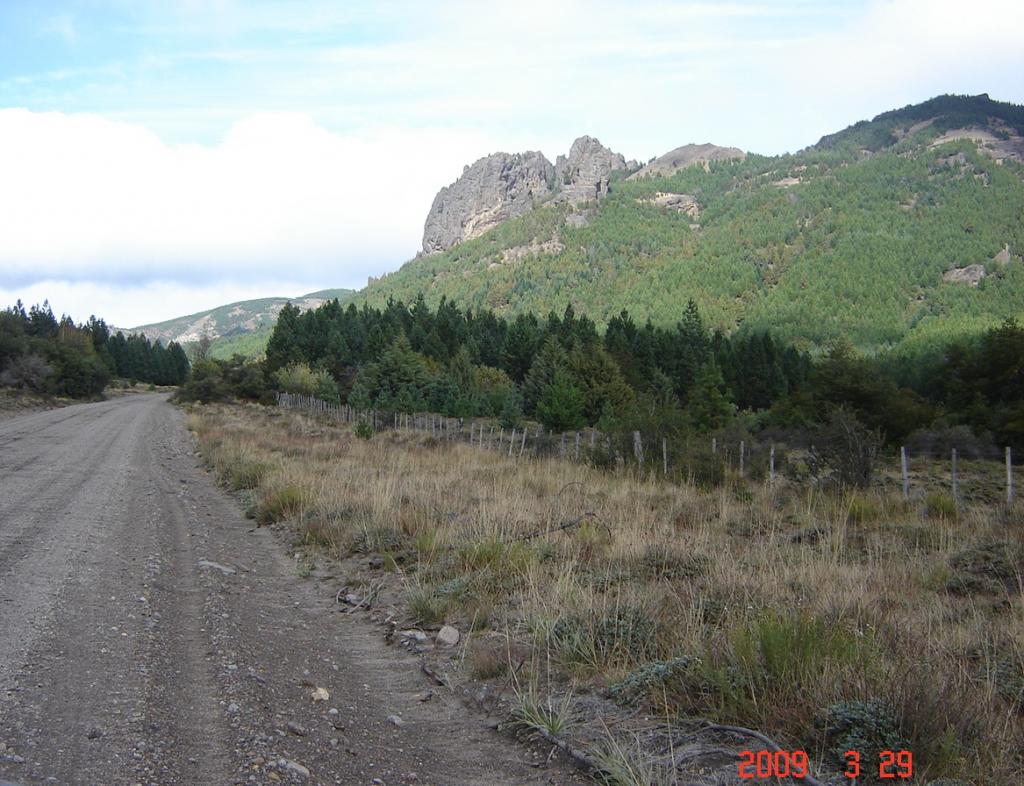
(150, 635)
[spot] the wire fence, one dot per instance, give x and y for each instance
(706, 462)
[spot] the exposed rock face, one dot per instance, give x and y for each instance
(969, 275)
(503, 186)
(684, 203)
(534, 248)
(491, 191)
(686, 156)
(583, 174)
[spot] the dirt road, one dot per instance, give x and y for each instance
(150, 635)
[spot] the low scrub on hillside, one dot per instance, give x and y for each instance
(826, 620)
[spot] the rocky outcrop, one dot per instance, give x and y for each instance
(584, 174)
(970, 275)
(683, 203)
(503, 186)
(491, 191)
(687, 156)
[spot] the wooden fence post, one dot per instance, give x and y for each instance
(956, 484)
(577, 446)
(561, 447)
(771, 467)
(664, 456)
(714, 445)
(1009, 475)
(905, 472)
(522, 447)
(638, 448)
(742, 447)
(511, 443)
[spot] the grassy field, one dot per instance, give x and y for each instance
(828, 621)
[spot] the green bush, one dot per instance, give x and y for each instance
(426, 607)
(624, 634)
(280, 504)
(300, 379)
(647, 680)
(363, 429)
(247, 475)
(940, 505)
(867, 727)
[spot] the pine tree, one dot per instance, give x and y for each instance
(709, 406)
(560, 406)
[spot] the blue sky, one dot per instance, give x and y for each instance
(160, 156)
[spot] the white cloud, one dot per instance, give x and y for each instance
(128, 305)
(87, 198)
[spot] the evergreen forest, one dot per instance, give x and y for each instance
(565, 373)
(43, 354)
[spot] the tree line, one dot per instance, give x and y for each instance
(44, 354)
(563, 372)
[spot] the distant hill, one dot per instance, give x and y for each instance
(241, 327)
(901, 231)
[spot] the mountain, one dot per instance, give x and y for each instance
(242, 327)
(688, 155)
(503, 186)
(899, 231)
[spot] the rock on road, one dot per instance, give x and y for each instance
(150, 635)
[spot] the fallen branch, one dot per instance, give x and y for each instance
(434, 675)
(565, 525)
(575, 754)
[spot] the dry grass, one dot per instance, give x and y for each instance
(783, 603)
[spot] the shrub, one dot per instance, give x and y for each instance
(939, 443)
(301, 379)
(28, 371)
(770, 670)
(999, 560)
(940, 505)
(426, 607)
(666, 561)
(646, 680)
(623, 634)
(363, 429)
(867, 727)
(247, 475)
(849, 447)
(279, 504)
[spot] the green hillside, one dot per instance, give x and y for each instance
(848, 238)
(236, 328)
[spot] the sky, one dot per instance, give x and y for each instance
(160, 157)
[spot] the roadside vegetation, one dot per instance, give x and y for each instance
(827, 617)
(668, 383)
(42, 355)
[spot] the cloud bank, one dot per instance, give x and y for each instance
(85, 196)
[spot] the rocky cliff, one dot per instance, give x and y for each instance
(502, 186)
(584, 173)
(493, 190)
